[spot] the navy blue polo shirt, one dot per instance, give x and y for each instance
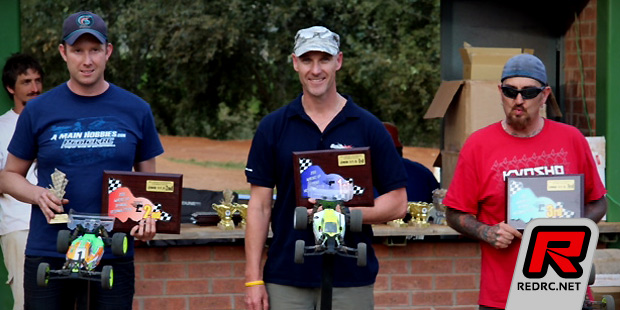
(270, 164)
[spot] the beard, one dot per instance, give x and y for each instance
(519, 122)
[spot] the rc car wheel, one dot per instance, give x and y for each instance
(592, 275)
(609, 302)
(356, 220)
(300, 246)
(43, 274)
(361, 254)
(107, 277)
(63, 240)
(119, 244)
(301, 218)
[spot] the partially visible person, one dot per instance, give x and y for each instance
(319, 119)
(81, 127)
(523, 141)
(22, 78)
(421, 182)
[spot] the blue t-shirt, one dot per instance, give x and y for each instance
(420, 182)
(82, 137)
(270, 163)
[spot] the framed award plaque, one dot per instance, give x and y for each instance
(132, 196)
(318, 173)
(555, 196)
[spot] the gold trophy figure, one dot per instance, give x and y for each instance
(243, 211)
(419, 213)
(225, 211)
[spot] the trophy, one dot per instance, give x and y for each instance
(243, 211)
(59, 182)
(397, 223)
(225, 211)
(420, 212)
(439, 214)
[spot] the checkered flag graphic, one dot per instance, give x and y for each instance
(565, 212)
(304, 163)
(165, 216)
(357, 190)
(113, 184)
(514, 187)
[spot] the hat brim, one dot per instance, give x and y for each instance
(72, 37)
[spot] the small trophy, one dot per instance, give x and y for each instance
(243, 211)
(397, 223)
(419, 213)
(439, 216)
(59, 182)
(225, 211)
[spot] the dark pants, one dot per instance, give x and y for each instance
(67, 294)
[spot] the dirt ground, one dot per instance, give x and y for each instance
(188, 155)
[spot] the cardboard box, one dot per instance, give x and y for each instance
(487, 63)
(447, 160)
(466, 106)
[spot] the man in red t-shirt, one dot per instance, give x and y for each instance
(524, 143)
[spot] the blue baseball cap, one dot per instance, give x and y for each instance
(525, 65)
(83, 22)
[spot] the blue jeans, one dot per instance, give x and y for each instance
(62, 294)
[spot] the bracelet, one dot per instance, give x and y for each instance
(254, 283)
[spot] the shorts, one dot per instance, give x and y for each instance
(62, 294)
(283, 297)
(13, 248)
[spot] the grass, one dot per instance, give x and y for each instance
(210, 164)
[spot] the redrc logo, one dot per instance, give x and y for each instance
(554, 264)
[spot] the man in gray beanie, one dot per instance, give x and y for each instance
(523, 143)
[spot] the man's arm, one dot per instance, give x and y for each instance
(13, 182)
(257, 228)
(146, 229)
(389, 206)
(500, 236)
(596, 209)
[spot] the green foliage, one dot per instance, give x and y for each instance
(215, 68)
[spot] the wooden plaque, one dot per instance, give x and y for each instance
(131, 196)
(351, 164)
(553, 196)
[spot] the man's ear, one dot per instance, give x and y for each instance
(11, 90)
(63, 52)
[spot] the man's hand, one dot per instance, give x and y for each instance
(501, 235)
(256, 298)
(145, 230)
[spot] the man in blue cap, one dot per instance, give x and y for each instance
(521, 144)
(57, 129)
(318, 119)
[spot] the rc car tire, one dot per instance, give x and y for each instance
(356, 220)
(107, 277)
(301, 218)
(361, 254)
(610, 303)
(63, 240)
(119, 244)
(300, 246)
(43, 274)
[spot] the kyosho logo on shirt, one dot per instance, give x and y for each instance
(540, 170)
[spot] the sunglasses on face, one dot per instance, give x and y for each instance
(306, 35)
(526, 93)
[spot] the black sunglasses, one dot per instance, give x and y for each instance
(526, 93)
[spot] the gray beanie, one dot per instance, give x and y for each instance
(525, 65)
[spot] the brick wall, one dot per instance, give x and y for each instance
(572, 74)
(423, 275)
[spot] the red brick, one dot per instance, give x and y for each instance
(381, 251)
(457, 249)
(466, 297)
(400, 283)
(149, 288)
(209, 270)
(150, 255)
(210, 302)
(164, 271)
(431, 266)
(171, 303)
(233, 253)
(227, 286)
(238, 269)
(393, 266)
(193, 253)
(414, 249)
(391, 298)
(136, 304)
(239, 301)
(467, 265)
(382, 283)
(432, 298)
(453, 282)
(187, 287)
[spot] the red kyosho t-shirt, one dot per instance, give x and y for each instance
(478, 186)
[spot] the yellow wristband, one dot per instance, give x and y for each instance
(254, 283)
